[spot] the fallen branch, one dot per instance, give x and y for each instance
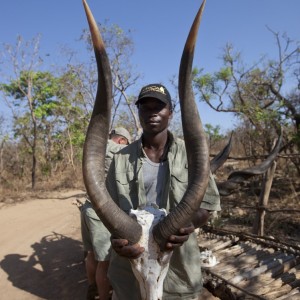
(271, 210)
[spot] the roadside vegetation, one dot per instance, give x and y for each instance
(47, 110)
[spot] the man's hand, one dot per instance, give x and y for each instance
(200, 218)
(176, 241)
(123, 249)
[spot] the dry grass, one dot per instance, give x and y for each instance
(14, 191)
(236, 214)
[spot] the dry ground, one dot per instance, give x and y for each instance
(283, 223)
(41, 253)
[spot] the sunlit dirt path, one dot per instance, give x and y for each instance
(41, 254)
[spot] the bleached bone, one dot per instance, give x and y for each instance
(151, 268)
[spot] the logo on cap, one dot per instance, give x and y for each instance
(153, 88)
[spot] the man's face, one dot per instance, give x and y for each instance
(118, 139)
(154, 115)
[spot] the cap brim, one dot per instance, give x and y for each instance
(154, 97)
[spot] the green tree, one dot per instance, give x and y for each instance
(263, 95)
(213, 133)
(32, 99)
(51, 109)
(73, 117)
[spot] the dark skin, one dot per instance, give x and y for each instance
(155, 116)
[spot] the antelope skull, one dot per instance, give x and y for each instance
(117, 221)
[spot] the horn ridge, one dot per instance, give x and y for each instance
(116, 220)
(195, 142)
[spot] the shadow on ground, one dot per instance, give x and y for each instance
(55, 270)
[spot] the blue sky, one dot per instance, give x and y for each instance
(159, 29)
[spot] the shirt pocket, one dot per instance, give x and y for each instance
(179, 182)
(127, 190)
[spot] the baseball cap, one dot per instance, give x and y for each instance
(157, 91)
(123, 132)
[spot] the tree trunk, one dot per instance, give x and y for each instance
(258, 226)
(33, 171)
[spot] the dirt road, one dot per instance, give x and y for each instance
(41, 254)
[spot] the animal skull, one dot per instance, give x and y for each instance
(117, 221)
(151, 268)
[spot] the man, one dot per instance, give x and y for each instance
(93, 231)
(154, 169)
